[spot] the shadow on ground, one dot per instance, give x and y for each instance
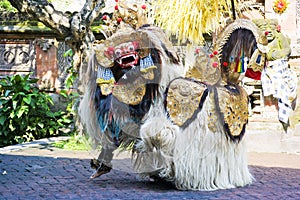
(39, 177)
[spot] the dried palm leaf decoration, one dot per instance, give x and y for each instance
(190, 19)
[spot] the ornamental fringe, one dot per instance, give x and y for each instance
(226, 33)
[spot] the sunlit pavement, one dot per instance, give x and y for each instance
(40, 171)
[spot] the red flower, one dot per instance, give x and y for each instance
(104, 17)
(117, 1)
(225, 64)
(211, 55)
(215, 52)
(278, 28)
(109, 52)
(144, 7)
(215, 64)
(119, 20)
(116, 7)
(280, 6)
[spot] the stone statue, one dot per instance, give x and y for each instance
(278, 80)
(278, 43)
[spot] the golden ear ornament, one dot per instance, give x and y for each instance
(183, 99)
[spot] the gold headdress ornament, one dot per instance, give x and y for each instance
(206, 67)
(124, 13)
(120, 26)
(121, 18)
(128, 44)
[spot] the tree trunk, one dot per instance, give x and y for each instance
(75, 28)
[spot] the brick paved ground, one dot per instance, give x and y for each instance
(44, 172)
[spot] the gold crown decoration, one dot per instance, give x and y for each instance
(206, 67)
(124, 13)
(121, 18)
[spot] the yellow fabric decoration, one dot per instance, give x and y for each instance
(106, 85)
(145, 70)
(100, 81)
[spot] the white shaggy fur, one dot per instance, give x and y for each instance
(194, 158)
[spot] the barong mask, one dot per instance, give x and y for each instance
(124, 54)
(126, 65)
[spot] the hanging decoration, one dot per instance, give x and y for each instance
(280, 6)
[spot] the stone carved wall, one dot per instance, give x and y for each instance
(43, 57)
(63, 63)
(17, 56)
(28, 46)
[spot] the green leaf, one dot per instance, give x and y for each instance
(26, 77)
(27, 99)
(2, 119)
(17, 78)
(51, 131)
(33, 80)
(50, 114)
(19, 113)
(69, 82)
(68, 53)
(7, 92)
(15, 103)
(64, 93)
(11, 127)
(24, 109)
(5, 109)
(27, 88)
(22, 93)
(12, 114)
(41, 125)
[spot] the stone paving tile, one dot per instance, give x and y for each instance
(38, 174)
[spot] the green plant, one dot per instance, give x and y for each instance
(70, 94)
(75, 142)
(73, 75)
(25, 114)
(6, 6)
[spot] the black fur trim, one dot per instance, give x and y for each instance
(235, 89)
